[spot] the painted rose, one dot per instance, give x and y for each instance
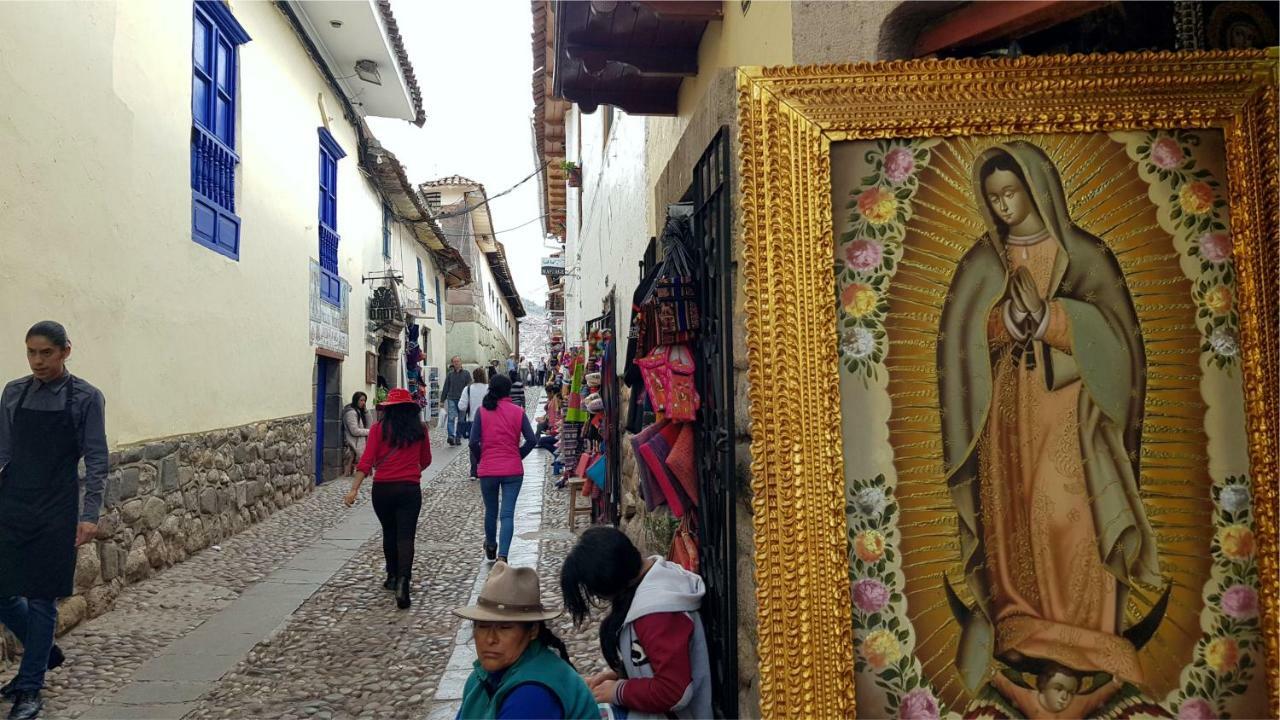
(919, 704)
(1215, 247)
(1240, 602)
(1234, 498)
(869, 501)
(898, 164)
(877, 205)
(881, 648)
(858, 300)
(858, 342)
(1236, 542)
(1218, 299)
(1222, 654)
(864, 254)
(870, 595)
(1196, 709)
(1224, 342)
(1167, 154)
(1196, 198)
(869, 545)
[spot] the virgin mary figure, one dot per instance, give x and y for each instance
(1042, 380)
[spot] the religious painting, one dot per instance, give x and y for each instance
(1048, 323)
(1051, 338)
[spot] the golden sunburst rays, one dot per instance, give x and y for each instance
(1107, 198)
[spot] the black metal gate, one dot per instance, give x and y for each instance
(717, 529)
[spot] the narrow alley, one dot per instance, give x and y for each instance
(288, 619)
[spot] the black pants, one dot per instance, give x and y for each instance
(397, 505)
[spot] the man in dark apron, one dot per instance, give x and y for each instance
(48, 420)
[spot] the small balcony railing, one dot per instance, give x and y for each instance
(213, 168)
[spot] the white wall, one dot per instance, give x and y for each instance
(95, 214)
(605, 251)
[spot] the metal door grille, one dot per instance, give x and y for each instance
(717, 531)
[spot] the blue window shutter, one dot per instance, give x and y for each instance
(439, 306)
(421, 286)
(215, 41)
(327, 215)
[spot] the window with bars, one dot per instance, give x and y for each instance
(330, 153)
(215, 47)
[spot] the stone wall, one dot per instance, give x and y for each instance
(168, 499)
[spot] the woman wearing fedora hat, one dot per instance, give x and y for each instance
(522, 669)
(396, 452)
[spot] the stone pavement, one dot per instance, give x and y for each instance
(288, 619)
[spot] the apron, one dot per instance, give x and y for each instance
(39, 502)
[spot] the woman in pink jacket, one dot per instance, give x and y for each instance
(496, 436)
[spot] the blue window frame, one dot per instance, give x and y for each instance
(422, 287)
(215, 47)
(439, 306)
(386, 232)
(330, 153)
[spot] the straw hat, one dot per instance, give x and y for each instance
(510, 594)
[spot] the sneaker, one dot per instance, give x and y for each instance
(390, 582)
(490, 552)
(473, 478)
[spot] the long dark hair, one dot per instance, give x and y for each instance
(1000, 161)
(499, 387)
(602, 568)
(355, 403)
(401, 426)
(553, 641)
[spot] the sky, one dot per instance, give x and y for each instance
(474, 64)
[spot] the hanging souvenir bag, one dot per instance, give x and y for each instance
(597, 471)
(684, 547)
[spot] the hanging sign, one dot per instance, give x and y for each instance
(553, 266)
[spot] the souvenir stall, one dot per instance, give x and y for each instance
(663, 410)
(417, 384)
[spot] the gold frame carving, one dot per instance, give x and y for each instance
(788, 118)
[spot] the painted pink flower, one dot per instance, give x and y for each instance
(1215, 247)
(1166, 153)
(1240, 602)
(864, 254)
(919, 704)
(1196, 709)
(898, 164)
(870, 595)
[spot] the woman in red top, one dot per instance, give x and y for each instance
(399, 450)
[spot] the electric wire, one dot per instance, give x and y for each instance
(491, 198)
(497, 232)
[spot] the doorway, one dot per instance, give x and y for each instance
(327, 419)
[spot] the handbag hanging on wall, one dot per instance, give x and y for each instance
(684, 546)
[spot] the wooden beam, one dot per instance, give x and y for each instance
(685, 10)
(674, 61)
(980, 22)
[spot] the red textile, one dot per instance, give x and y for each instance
(394, 464)
(665, 639)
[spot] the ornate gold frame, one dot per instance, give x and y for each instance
(788, 118)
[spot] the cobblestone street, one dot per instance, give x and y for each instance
(288, 618)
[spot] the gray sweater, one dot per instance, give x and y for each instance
(454, 383)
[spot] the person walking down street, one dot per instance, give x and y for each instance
(493, 369)
(355, 428)
(455, 382)
(517, 392)
(511, 367)
(522, 669)
(542, 371)
(652, 638)
(496, 434)
(469, 405)
(48, 421)
(397, 452)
